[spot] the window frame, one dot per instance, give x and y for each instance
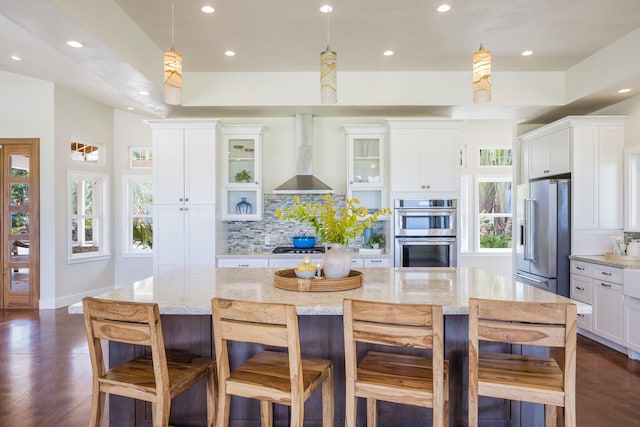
(101, 153)
(128, 216)
(139, 148)
(100, 217)
(477, 215)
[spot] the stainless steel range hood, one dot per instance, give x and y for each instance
(303, 182)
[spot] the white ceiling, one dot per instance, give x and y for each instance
(125, 38)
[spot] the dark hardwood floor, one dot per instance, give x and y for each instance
(45, 375)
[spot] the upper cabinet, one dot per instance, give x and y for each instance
(632, 188)
(184, 161)
(424, 155)
(590, 148)
(241, 172)
(550, 154)
(366, 164)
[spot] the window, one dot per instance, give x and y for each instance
(139, 238)
(140, 157)
(87, 215)
(495, 157)
(85, 153)
(494, 213)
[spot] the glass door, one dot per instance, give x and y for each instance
(20, 223)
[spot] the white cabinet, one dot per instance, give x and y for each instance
(377, 262)
(632, 188)
(597, 176)
(581, 290)
(183, 163)
(424, 155)
(550, 154)
(241, 172)
(632, 323)
(183, 193)
(600, 286)
(243, 262)
(291, 262)
(366, 164)
(608, 319)
(183, 236)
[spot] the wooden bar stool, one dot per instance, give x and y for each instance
(517, 377)
(151, 378)
(394, 377)
(271, 377)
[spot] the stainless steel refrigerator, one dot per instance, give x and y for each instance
(543, 234)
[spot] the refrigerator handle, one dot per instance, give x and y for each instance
(529, 230)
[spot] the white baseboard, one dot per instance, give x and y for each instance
(53, 303)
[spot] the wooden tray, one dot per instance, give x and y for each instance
(287, 279)
(623, 259)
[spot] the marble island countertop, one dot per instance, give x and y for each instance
(190, 291)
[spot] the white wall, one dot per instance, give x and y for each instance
(631, 109)
(26, 111)
(478, 134)
(77, 117)
(129, 131)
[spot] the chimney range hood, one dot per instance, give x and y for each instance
(303, 182)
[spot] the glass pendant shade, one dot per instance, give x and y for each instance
(481, 75)
(172, 77)
(328, 77)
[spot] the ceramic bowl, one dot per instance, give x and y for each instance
(305, 274)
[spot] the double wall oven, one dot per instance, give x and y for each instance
(425, 233)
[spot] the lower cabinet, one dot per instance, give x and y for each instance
(243, 262)
(608, 319)
(292, 262)
(632, 323)
(184, 236)
(600, 286)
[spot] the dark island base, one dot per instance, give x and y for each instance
(321, 336)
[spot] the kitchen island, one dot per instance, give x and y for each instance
(184, 299)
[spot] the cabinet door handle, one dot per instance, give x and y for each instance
(375, 261)
(579, 288)
(606, 273)
(580, 315)
(545, 171)
(606, 285)
(579, 268)
(243, 265)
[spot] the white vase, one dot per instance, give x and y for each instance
(336, 262)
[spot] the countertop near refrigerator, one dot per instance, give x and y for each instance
(600, 259)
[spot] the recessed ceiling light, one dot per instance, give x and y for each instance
(527, 53)
(16, 58)
(326, 8)
(626, 90)
(444, 8)
(230, 53)
(75, 43)
(144, 92)
(388, 53)
(207, 9)
(130, 108)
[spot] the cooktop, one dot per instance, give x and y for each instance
(292, 250)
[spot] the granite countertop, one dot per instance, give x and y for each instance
(600, 260)
(190, 291)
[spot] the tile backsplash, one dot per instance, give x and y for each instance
(629, 236)
(244, 237)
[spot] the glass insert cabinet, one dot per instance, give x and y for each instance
(365, 164)
(241, 174)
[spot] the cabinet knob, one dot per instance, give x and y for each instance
(181, 199)
(186, 200)
(579, 288)
(256, 183)
(423, 187)
(350, 182)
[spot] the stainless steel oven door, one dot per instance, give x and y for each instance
(425, 252)
(425, 222)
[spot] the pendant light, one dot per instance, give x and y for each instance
(481, 75)
(172, 69)
(328, 64)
